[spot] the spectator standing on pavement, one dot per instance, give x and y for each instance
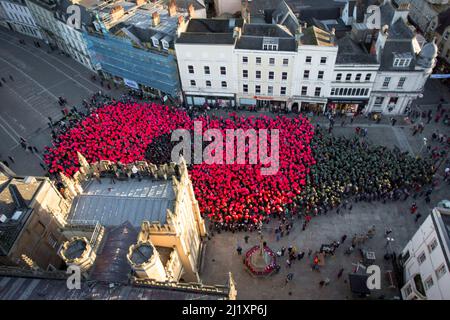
(418, 215)
(341, 271)
(11, 77)
(413, 208)
(246, 239)
(393, 121)
(239, 250)
(12, 159)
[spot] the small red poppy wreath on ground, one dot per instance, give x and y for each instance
(226, 192)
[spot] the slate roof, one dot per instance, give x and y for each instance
(132, 200)
(254, 34)
(396, 47)
(15, 195)
(284, 15)
(399, 30)
(443, 21)
(24, 288)
(212, 31)
(351, 52)
(315, 36)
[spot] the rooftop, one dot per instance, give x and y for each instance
(134, 201)
(253, 36)
(315, 36)
(212, 31)
(351, 52)
(16, 195)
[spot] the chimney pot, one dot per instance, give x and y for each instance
(172, 8)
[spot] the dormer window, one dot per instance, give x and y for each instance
(165, 45)
(402, 62)
(270, 44)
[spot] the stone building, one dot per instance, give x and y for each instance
(145, 222)
(32, 211)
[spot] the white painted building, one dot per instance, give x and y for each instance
(206, 62)
(426, 261)
(51, 16)
(18, 18)
(313, 70)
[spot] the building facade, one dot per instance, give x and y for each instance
(32, 211)
(18, 17)
(442, 34)
(426, 259)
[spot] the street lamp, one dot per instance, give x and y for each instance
(388, 245)
(424, 144)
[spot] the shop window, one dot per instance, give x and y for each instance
(341, 91)
(353, 92)
(306, 74)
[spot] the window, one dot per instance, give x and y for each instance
(208, 83)
(339, 77)
(401, 82)
(193, 83)
(407, 291)
(320, 75)
(284, 76)
(348, 77)
(207, 70)
(257, 89)
(191, 69)
(245, 73)
(386, 82)
(433, 245)
(304, 91)
(317, 92)
(271, 75)
(244, 59)
(368, 76)
(258, 60)
(283, 91)
(353, 93)
(323, 60)
(40, 228)
(271, 47)
(285, 62)
(393, 100)
(421, 258)
(223, 70)
(306, 74)
(308, 59)
(358, 77)
(52, 241)
(429, 283)
(258, 74)
(224, 84)
(441, 271)
(366, 92)
(245, 88)
(402, 62)
(333, 91)
(345, 92)
(270, 90)
(272, 61)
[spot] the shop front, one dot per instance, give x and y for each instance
(212, 101)
(308, 105)
(346, 106)
(271, 103)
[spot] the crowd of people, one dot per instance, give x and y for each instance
(317, 171)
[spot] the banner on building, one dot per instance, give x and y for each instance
(440, 76)
(131, 83)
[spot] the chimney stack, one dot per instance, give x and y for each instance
(140, 2)
(172, 8)
(156, 19)
(236, 32)
(191, 11)
(181, 26)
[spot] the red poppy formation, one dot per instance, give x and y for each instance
(225, 192)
